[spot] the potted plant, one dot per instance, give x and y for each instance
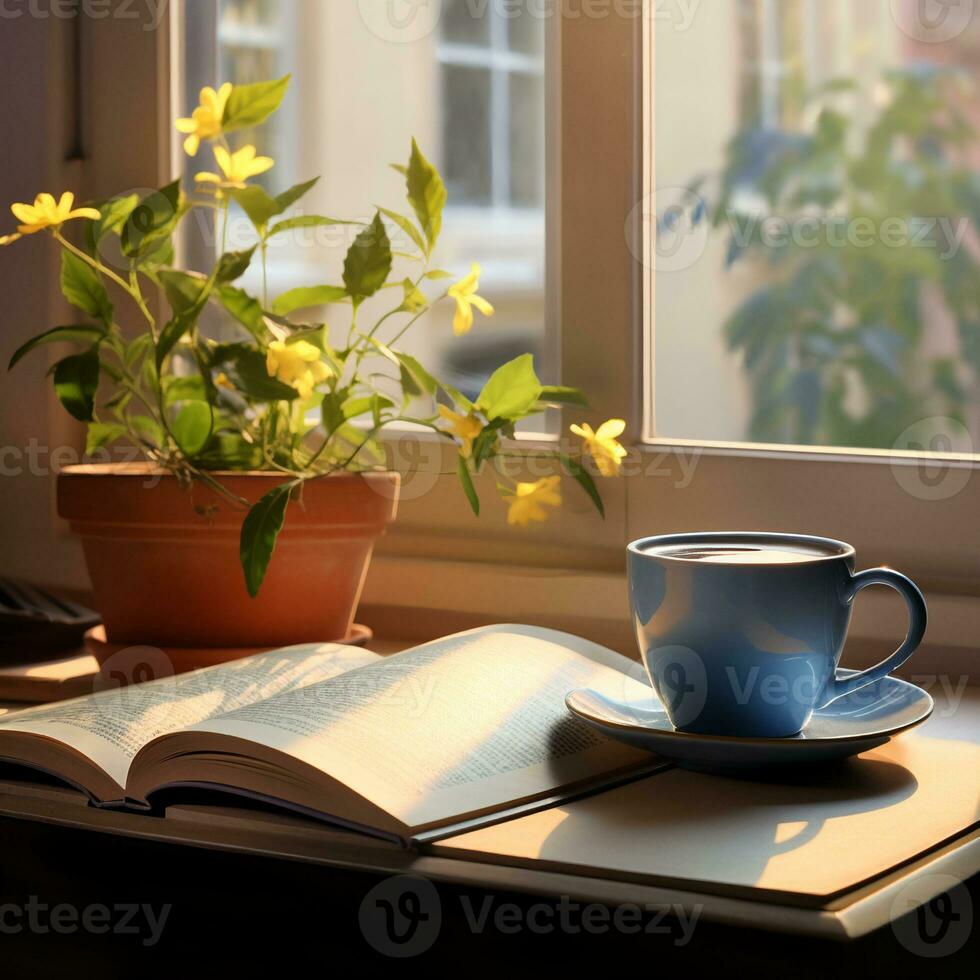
(268, 440)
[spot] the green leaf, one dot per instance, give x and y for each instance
(119, 401)
(114, 214)
(234, 264)
(463, 472)
(173, 331)
(489, 439)
(228, 450)
(192, 427)
(57, 335)
(289, 197)
(418, 373)
(137, 349)
(332, 411)
(149, 430)
(260, 529)
(246, 367)
(562, 395)
(585, 481)
(185, 388)
(426, 194)
(415, 300)
(408, 227)
(512, 390)
(154, 219)
(306, 221)
(101, 434)
(76, 380)
(261, 207)
(362, 404)
(438, 274)
(368, 261)
(83, 288)
(251, 105)
(183, 289)
(257, 203)
(410, 387)
(308, 296)
(458, 398)
(244, 308)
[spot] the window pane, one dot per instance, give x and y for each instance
(525, 31)
(526, 140)
(360, 93)
(818, 275)
(466, 22)
(468, 161)
(248, 13)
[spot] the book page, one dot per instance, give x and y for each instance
(110, 727)
(460, 725)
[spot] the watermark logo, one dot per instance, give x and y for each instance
(401, 917)
(400, 21)
(673, 221)
(933, 21)
(680, 680)
(932, 477)
(933, 925)
(133, 665)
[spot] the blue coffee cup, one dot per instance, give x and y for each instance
(741, 633)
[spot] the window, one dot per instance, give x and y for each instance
(493, 88)
(256, 41)
(625, 127)
(818, 274)
(471, 91)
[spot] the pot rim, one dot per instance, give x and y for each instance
(141, 469)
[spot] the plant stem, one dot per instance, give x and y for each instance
(265, 274)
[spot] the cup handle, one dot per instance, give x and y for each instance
(909, 591)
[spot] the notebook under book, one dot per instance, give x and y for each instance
(457, 733)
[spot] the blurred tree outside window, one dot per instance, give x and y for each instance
(846, 210)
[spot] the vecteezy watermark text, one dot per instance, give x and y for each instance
(150, 12)
(572, 918)
(64, 919)
(402, 917)
(408, 21)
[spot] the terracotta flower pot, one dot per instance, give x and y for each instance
(164, 561)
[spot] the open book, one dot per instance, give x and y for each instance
(457, 732)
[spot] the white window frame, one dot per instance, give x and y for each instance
(279, 40)
(502, 63)
(439, 567)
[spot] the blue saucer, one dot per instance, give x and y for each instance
(855, 723)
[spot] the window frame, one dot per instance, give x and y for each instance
(571, 572)
(502, 63)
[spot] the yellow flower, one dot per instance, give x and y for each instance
(465, 427)
(464, 292)
(297, 365)
(602, 445)
(236, 168)
(46, 212)
(205, 122)
(528, 503)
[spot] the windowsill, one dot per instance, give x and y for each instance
(421, 599)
